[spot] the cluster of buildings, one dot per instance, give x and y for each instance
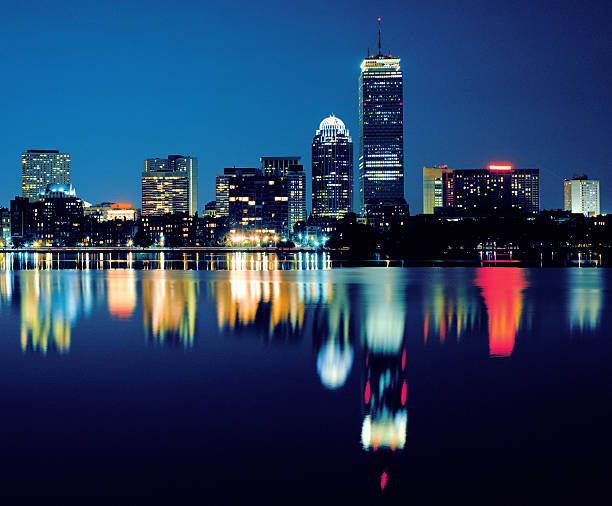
(268, 202)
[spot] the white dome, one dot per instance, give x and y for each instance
(331, 127)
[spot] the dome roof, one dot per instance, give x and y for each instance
(331, 127)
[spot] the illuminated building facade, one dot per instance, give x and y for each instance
(5, 223)
(385, 214)
(40, 168)
(255, 201)
(210, 209)
(56, 218)
(109, 211)
(332, 170)
(436, 188)
(291, 170)
(581, 196)
(381, 129)
(498, 189)
(170, 185)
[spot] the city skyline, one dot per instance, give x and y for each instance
(554, 118)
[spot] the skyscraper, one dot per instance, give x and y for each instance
(332, 170)
(42, 167)
(434, 182)
(381, 151)
(170, 185)
(581, 196)
(289, 169)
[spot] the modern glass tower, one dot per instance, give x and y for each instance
(381, 130)
(332, 170)
(42, 167)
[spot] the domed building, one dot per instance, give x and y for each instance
(332, 170)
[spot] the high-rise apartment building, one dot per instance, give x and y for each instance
(332, 170)
(170, 185)
(498, 189)
(40, 168)
(581, 196)
(291, 170)
(381, 129)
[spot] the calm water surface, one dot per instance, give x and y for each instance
(344, 385)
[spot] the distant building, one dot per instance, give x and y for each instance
(387, 213)
(381, 129)
(55, 218)
(170, 185)
(581, 196)
(109, 211)
(498, 189)
(210, 209)
(40, 168)
(291, 170)
(434, 181)
(332, 170)
(5, 223)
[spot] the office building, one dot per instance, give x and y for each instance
(498, 189)
(170, 185)
(40, 168)
(435, 179)
(381, 151)
(291, 170)
(5, 219)
(581, 196)
(332, 170)
(210, 209)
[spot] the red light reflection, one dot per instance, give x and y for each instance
(502, 292)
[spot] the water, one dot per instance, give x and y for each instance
(341, 386)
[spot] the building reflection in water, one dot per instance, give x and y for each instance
(121, 293)
(50, 305)
(261, 298)
(449, 307)
(502, 291)
(332, 338)
(384, 394)
(585, 298)
(169, 303)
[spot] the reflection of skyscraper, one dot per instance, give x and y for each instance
(385, 390)
(169, 307)
(50, 305)
(335, 352)
(502, 292)
(585, 298)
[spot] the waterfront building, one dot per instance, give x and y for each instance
(387, 213)
(109, 211)
(170, 185)
(498, 189)
(581, 196)
(40, 168)
(332, 170)
(381, 135)
(291, 170)
(55, 218)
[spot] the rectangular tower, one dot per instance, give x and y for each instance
(290, 169)
(381, 130)
(581, 196)
(170, 185)
(41, 167)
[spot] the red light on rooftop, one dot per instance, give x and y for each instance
(379, 19)
(120, 206)
(500, 168)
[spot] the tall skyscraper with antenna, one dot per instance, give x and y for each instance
(381, 131)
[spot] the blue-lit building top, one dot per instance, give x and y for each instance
(381, 152)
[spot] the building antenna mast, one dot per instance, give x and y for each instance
(379, 45)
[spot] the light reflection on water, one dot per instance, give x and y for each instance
(364, 323)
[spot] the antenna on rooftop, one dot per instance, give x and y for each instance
(379, 45)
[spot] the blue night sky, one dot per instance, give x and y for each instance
(114, 82)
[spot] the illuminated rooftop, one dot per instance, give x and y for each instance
(332, 127)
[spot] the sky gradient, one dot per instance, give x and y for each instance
(115, 82)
